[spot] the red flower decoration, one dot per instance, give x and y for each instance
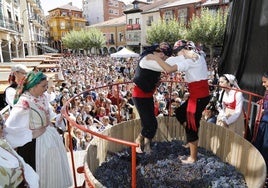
(25, 104)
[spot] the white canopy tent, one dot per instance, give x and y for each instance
(125, 53)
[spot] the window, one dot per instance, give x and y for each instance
(9, 14)
(137, 21)
(116, 12)
(135, 5)
(182, 15)
(150, 20)
(62, 25)
(130, 21)
(64, 14)
(169, 15)
(121, 37)
(63, 34)
(112, 39)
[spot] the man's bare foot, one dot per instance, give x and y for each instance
(188, 160)
(138, 150)
(186, 145)
(139, 140)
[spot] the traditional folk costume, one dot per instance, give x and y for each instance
(46, 154)
(232, 111)
(196, 75)
(14, 171)
(145, 84)
(146, 81)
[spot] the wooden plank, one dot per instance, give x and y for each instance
(38, 56)
(51, 61)
(27, 64)
(4, 77)
(3, 87)
(28, 59)
(46, 66)
(5, 69)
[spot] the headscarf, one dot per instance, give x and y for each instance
(188, 45)
(232, 80)
(162, 47)
(19, 68)
(31, 80)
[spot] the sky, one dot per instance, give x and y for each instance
(51, 4)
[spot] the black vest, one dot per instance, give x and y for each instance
(146, 79)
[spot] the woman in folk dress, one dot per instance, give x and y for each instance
(231, 105)
(28, 128)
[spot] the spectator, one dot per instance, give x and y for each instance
(210, 113)
(230, 105)
(261, 139)
(17, 75)
(14, 171)
(29, 129)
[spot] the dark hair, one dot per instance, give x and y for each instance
(166, 48)
(265, 74)
(149, 50)
(162, 47)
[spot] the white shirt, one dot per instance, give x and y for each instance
(12, 160)
(60, 122)
(229, 98)
(153, 65)
(10, 95)
(194, 70)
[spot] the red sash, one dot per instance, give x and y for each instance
(138, 92)
(198, 89)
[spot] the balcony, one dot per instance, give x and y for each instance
(10, 24)
(136, 27)
(129, 27)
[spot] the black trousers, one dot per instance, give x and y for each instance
(181, 112)
(145, 108)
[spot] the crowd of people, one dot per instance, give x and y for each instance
(37, 101)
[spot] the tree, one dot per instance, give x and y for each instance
(96, 39)
(208, 29)
(169, 32)
(84, 39)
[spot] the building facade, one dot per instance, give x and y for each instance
(11, 30)
(22, 29)
(96, 11)
(114, 31)
(34, 27)
(141, 15)
(62, 20)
